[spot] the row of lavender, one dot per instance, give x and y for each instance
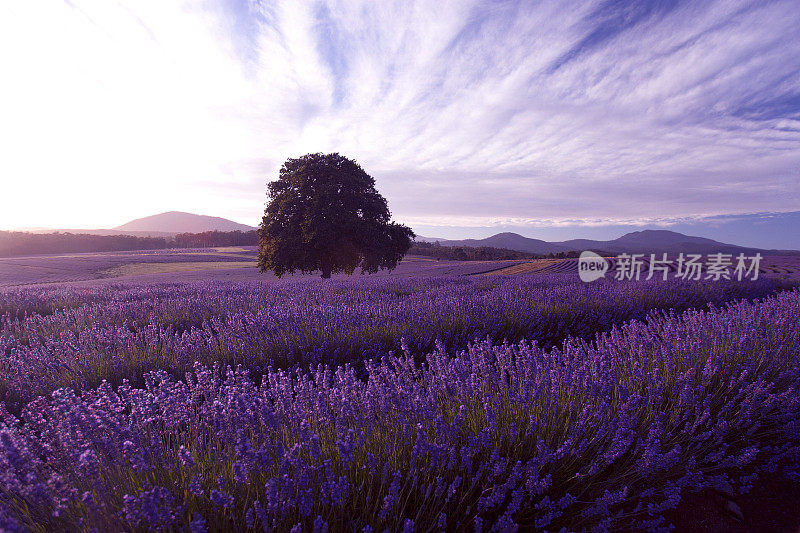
(70, 337)
(601, 435)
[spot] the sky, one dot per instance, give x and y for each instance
(543, 117)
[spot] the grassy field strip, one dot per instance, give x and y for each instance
(525, 268)
(233, 249)
(138, 269)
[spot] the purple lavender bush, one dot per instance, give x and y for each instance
(589, 435)
(78, 337)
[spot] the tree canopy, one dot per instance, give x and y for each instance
(325, 214)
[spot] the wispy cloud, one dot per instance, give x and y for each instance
(465, 112)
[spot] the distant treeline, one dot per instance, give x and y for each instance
(17, 243)
(480, 253)
(14, 243)
(215, 238)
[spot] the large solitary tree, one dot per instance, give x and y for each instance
(325, 214)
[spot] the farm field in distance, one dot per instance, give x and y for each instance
(172, 389)
(239, 263)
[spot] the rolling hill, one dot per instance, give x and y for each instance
(658, 241)
(646, 241)
(511, 241)
(180, 222)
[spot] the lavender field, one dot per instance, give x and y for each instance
(775, 266)
(399, 402)
(400, 266)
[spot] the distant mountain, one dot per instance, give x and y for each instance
(179, 222)
(647, 241)
(658, 241)
(512, 241)
(765, 230)
(762, 230)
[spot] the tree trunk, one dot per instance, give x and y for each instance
(326, 269)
